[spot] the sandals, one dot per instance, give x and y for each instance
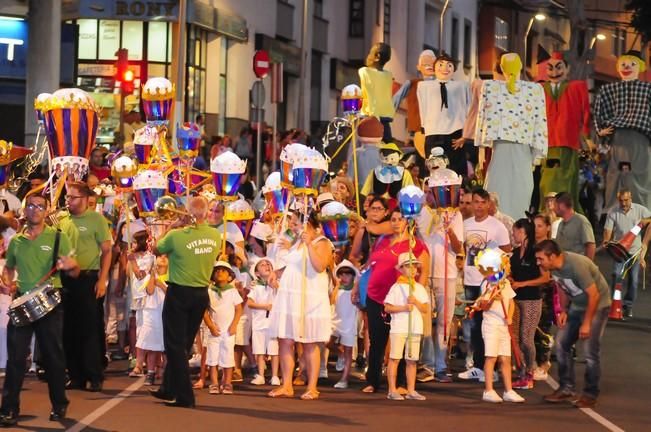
(136, 373)
(213, 389)
(395, 396)
(280, 392)
(299, 381)
(200, 385)
(227, 389)
(310, 395)
(368, 389)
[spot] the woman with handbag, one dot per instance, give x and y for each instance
(383, 260)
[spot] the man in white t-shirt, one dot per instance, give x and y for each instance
(480, 231)
(433, 229)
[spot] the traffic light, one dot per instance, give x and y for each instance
(127, 82)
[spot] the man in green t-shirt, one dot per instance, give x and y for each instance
(31, 253)
(83, 300)
(585, 303)
(191, 252)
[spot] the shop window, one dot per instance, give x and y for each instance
(195, 102)
(132, 39)
(432, 27)
(87, 38)
(156, 51)
(109, 39)
(356, 19)
(156, 70)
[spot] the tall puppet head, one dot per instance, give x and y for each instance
(557, 68)
(444, 67)
(629, 65)
(390, 154)
(379, 55)
(511, 68)
(425, 65)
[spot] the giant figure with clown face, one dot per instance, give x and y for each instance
(568, 120)
(623, 114)
(443, 105)
(387, 179)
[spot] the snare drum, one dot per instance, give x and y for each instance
(34, 305)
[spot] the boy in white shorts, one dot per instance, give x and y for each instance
(260, 301)
(221, 319)
(497, 340)
(344, 321)
(406, 301)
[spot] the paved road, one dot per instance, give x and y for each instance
(451, 407)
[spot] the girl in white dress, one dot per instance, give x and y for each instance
(301, 310)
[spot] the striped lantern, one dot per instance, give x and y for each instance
(410, 200)
(241, 214)
(287, 160)
(157, 100)
(275, 196)
(351, 99)
(308, 171)
(123, 170)
(39, 105)
(227, 173)
(188, 138)
(334, 219)
(148, 187)
(71, 119)
(144, 141)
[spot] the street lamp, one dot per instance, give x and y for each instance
(536, 17)
(595, 38)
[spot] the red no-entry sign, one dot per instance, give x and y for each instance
(261, 63)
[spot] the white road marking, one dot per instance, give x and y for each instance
(589, 411)
(107, 406)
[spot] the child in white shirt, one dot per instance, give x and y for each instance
(406, 301)
(497, 340)
(221, 319)
(344, 320)
(260, 300)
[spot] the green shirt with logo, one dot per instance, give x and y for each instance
(33, 259)
(92, 230)
(192, 252)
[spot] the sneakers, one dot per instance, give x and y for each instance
(524, 383)
(512, 396)
(150, 378)
(492, 397)
(275, 381)
(323, 373)
(540, 374)
(258, 380)
(342, 384)
(340, 364)
(585, 402)
(415, 396)
(425, 375)
(195, 361)
(472, 374)
(442, 377)
(561, 395)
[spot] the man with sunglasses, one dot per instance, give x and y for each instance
(83, 300)
(31, 254)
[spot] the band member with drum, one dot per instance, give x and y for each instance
(32, 254)
(84, 339)
(192, 252)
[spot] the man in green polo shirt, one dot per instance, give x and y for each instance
(84, 331)
(191, 252)
(32, 254)
(585, 300)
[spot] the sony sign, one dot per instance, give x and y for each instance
(13, 48)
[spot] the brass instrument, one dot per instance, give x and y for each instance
(167, 209)
(56, 215)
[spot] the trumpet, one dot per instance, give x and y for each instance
(55, 216)
(167, 209)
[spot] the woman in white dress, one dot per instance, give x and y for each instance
(301, 311)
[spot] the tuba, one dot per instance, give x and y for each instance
(166, 208)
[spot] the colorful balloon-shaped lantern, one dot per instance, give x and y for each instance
(410, 200)
(351, 99)
(308, 171)
(445, 186)
(71, 121)
(493, 264)
(275, 195)
(123, 171)
(188, 138)
(144, 141)
(39, 106)
(148, 187)
(227, 172)
(287, 160)
(157, 99)
(241, 214)
(334, 220)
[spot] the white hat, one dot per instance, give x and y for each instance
(324, 198)
(135, 226)
(257, 260)
(407, 258)
(261, 231)
(225, 265)
(347, 264)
